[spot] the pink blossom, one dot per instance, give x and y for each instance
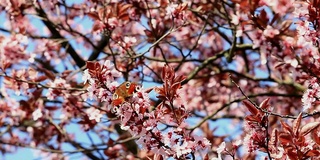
(91, 89)
(94, 114)
(37, 114)
(301, 9)
(307, 99)
(303, 27)
(292, 61)
(220, 149)
(279, 6)
(171, 9)
(128, 42)
(110, 72)
(86, 76)
(182, 149)
(154, 23)
(150, 123)
(235, 19)
(200, 141)
(32, 57)
(13, 49)
(279, 154)
(113, 22)
(270, 32)
(310, 95)
(108, 65)
(239, 32)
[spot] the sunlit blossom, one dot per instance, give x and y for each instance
(85, 76)
(220, 149)
(37, 114)
(270, 32)
(182, 149)
(94, 114)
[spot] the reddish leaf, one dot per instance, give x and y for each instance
(312, 153)
(93, 15)
(148, 90)
(123, 11)
(315, 136)
(285, 138)
(251, 118)
(263, 19)
(24, 105)
(159, 90)
(40, 78)
(175, 86)
(66, 73)
(97, 25)
(292, 154)
(306, 129)
(163, 73)
(286, 127)
(274, 19)
(296, 124)
(206, 157)
(274, 138)
(37, 93)
(265, 104)
(91, 65)
(167, 73)
(49, 74)
(180, 78)
(251, 107)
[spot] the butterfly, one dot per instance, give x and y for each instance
(124, 91)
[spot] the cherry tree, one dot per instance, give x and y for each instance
(143, 79)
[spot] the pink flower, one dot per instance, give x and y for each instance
(270, 32)
(110, 72)
(37, 114)
(301, 9)
(130, 40)
(108, 65)
(303, 27)
(50, 94)
(292, 61)
(171, 9)
(94, 114)
(201, 141)
(307, 99)
(310, 94)
(91, 91)
(113, 23)
(86, 76)
(150, 123)
(239, 32)
(235, 19)
(220, 149)
(182, 149)
(176, 11)
(279, 6)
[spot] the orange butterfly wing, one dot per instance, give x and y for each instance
(118, 101)
(125, 90)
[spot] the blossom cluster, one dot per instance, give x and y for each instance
(140, 120)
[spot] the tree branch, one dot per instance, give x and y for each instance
(55, 34)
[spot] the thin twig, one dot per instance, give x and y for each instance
(268, 112)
